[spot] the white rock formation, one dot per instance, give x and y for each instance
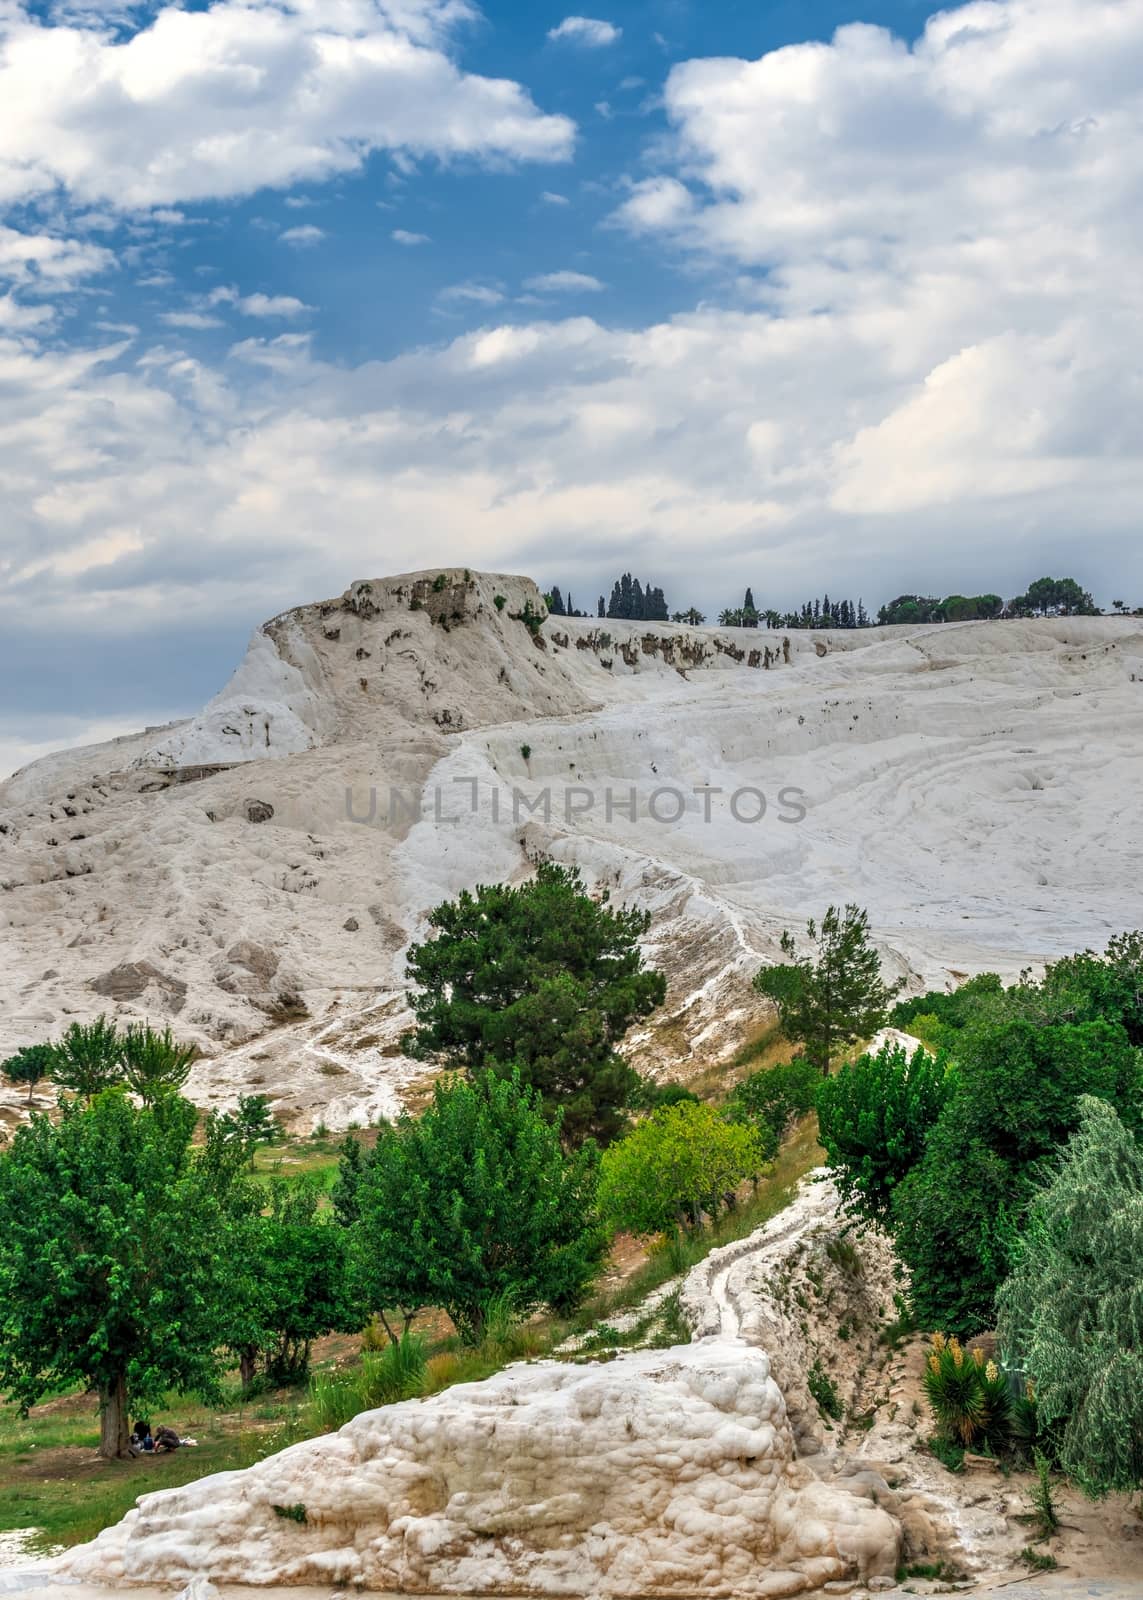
(974, 785)
(661, 1473)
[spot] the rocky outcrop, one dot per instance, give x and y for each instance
(660, 1473)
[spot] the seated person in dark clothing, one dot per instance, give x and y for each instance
(141, 1437)
(166, 1439)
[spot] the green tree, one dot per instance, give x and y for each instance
(250, 1124)
(28, 1067)
(770, 1100)
(295, 1282)
(829, 1000)
(676, 1165)
(152, 1063)
(116, 1250)
(875, 1116)
(540, 979)
(1071, 1314)
(473, 1203)
(88, 1058)
(955, 1214)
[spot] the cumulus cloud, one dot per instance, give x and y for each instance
(217, 102)
(410, 240)
(301, 238)
(928, 375)
(587, 31)
(564, 283)
(45, 259)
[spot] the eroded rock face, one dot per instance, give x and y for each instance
(660, 1473)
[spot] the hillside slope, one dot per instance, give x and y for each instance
(253, 875)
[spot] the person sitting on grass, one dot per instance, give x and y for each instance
(166, 1439)
(141, 1437)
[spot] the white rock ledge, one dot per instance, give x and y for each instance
(660, 1473)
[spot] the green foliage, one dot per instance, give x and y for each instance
(290, 1284)
(770, 1100)
(152, 1063)
(1071, 1314)
(28, 1067)
(1053, 597)
(1043, 1504)
(539, 979)
(649, 1095)
(678, 1164)
(824, 1391)
(87, 1059)
(440, 582)
(955, 1214)
(499, 601)
(829, 1000)
(874, 1117)
(474, 1200)
(116, 1249)
(295, 1513)
(526, 751)
(968, 1395)
(1038, 1560)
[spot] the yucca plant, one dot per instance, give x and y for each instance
(968, 1394)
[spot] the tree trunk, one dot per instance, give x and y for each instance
(247, 1365)
(113, 1423)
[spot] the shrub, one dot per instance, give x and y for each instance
(770, 1100)
(679, 1163)
(824, 1391)
(526, 751)
(968, 1394)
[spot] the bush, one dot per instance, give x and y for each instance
(678, 1164)
(968, 1395)
(770, 1100)
(824, 1391)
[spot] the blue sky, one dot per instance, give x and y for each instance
(807, 296)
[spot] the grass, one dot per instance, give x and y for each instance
(52, 1479)
(1038, 1560)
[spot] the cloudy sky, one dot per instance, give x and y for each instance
(809, 294)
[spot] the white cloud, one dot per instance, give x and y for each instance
(928, 378)
(272, 305)
(189, 319)
(300, 238)
(237, 96)
(587, 31)
(48, 260)
(14, 315)
(551, 198)
(564, 283)
(477, 294)
(403, 236)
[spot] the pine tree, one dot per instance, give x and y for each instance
(862, 618)
(829, 1000)
(556, 605)
(602, 609)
